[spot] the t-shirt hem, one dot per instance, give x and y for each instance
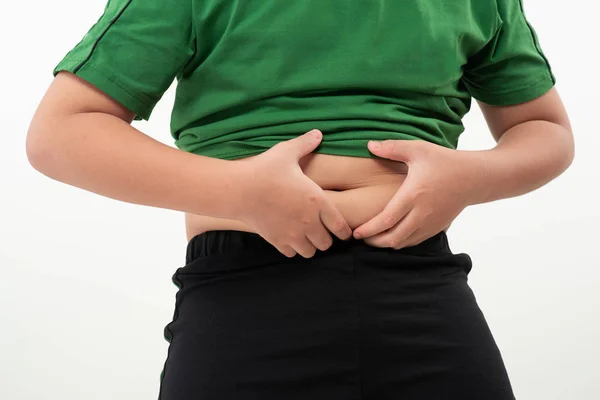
(250, 153)
(326, 148)
(521, 95)
(114, 89)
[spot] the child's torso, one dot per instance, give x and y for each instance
(268, 70)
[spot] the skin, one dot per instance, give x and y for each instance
(535, 144)
(81, 137)
(76, 126)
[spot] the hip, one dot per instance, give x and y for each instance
(353, 322)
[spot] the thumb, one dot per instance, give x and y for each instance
(304, 144)
(398, 150)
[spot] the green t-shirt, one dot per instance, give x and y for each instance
(252, 73)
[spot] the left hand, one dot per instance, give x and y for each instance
(440, 183)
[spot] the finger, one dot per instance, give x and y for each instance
(304, 247)
(286, 250)
(393, 212)
(320, 238)
(398, 150)
(304, 144)
(414, 238)
(334, 221)
(397, 236)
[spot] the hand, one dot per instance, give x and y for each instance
(285, 206)
(438, 186)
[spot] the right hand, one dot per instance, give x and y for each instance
(285, 206)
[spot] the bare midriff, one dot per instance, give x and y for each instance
(359, 187)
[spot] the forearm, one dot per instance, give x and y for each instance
(105, 155)
(526, 157)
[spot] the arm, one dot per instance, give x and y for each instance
(535, 144)
(82, 137)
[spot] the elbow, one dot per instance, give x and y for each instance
(35, 150)
(570, 157)
(38, 147)
(568, 149)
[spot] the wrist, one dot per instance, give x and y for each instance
(219, 187)
(482, 176)
(242, 177)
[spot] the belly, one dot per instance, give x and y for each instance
(359, 187)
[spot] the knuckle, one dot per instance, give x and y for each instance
(393, 243)
(417, 192)
(392, 145)
(389, 219)
(414, 197)
(313, 198)
(292, 236)
(339, 225)
(427, 212)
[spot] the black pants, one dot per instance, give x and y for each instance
(353, 322)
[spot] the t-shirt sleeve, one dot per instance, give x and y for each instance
(134, 51)
(511, 68)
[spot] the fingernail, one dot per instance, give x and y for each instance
(374, 145)
(316, 133)
(357, 236)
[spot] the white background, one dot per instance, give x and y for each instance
(85, 288)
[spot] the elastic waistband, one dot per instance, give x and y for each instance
(224, 241)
